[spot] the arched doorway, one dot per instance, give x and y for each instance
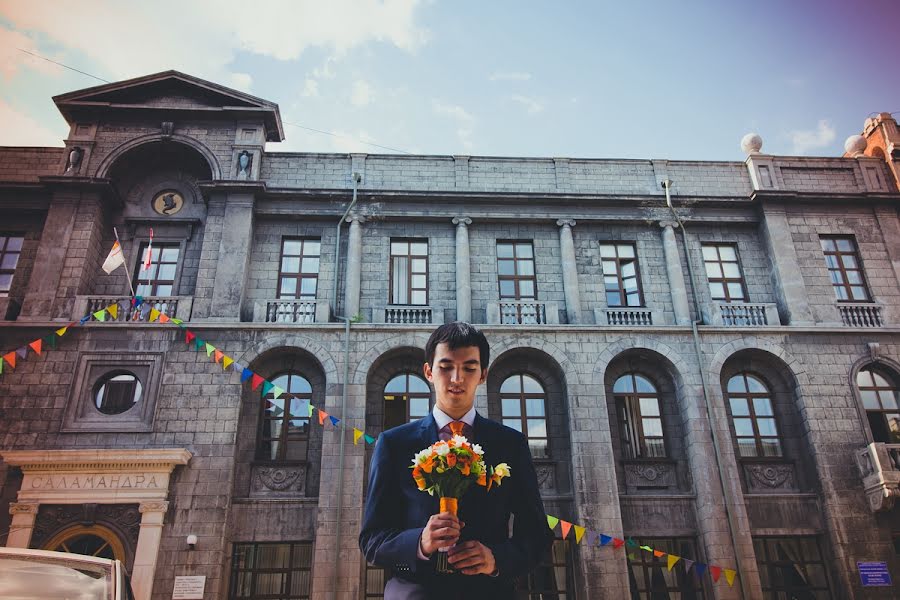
(94, 540)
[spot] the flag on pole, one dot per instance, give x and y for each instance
(149, 253)
(114, 260)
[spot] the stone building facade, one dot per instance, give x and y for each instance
(715, 380)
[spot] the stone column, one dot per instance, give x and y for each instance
(152, 517)
(676, 275)
(463, 270)
(22, 524)
(569, 270)
(233, 258)
(354, 265)
(784, 268)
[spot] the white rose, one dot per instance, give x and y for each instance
(459, 440)
(422, 456)
(442, 448)
(477, 449)
(502, 470)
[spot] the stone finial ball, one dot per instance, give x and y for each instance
(855, 145)
(751, 143)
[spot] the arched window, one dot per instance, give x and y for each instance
(407, 397)
(94, 540)
(879, 393)
(750, 403)
(640, 420)
(523, 406)
(284, 426)
(117, 392)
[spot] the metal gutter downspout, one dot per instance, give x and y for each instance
(340, 491)
(700, 365)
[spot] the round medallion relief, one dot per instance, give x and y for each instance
(168, 202)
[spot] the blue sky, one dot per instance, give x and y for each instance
(643, 79)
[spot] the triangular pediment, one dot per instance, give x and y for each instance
(168, 91)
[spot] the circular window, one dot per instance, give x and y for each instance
(117, 392)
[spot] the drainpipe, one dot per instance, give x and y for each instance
(667, 184)
(340, 491)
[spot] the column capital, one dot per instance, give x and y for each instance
(356, 218)
(462, 221)
(23, 508)
(153, 506)
(565, 223)
(672, 224)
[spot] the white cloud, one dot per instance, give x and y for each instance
(241, 81)
(805, 140)
(510, 76)
(343, 141)
(531, 105)
(21, 130)
(465, 121)
(361, 94)
(12, 59)
(139, 38)
(310, 88)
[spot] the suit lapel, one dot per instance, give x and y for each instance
(428, 433)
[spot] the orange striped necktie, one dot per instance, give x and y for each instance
(456, 427)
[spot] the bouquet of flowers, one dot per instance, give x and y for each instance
(448, 468)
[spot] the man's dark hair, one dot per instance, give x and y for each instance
(458, 335)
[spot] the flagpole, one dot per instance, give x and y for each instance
(124, 263)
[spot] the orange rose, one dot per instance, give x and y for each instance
(428, 465)
(465, 468)
(451, 460)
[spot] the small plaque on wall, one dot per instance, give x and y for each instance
(189, 587)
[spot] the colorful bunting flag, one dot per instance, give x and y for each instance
(36, 346)
(322, 415)
(113, 310)
(137, 301)
(618, 543)
(646, 548)
(658, 553)
(62, 331)
(605, 539)
(199, 344)
(631, 543)
(84, 319)
(715, 572)
(276, 391)
(188, 336)
(590, 538)
(50, 340)
(699, 568)
(729, 576)
(267, 387)
(245, 375)
(369, 439)
(552, 522)
(579, 532)
(310, 408)
(565, 526)
(255, 380)
(356, 434)
(22, 351)
(154, 314)
(100, 315)
(1, 365)
(163, 318)
(209, 349)
(334, 420)
(688, 563)
(177, 321)
(10, 358)
(671, 560)
(226, 362)
(631, 557)
(218, 354)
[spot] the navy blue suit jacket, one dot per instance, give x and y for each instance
(396, 511)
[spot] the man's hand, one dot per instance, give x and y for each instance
(472, 558)
(441, 531)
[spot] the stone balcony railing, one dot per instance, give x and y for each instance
(403, 314)
(632, 317)
(522, 312)
(861, 315)
(291, 311)
(178, 307)
(879, 467)
(744, 314)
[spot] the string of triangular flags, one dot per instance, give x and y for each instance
(594, 538)
(153, 315)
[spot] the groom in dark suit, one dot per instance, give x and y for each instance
(402, 529)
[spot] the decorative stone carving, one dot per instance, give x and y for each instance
(874, 350)
(462, 221)
(244, 164)
(762, 477)
(546, 476)
(23, 508)
(645, 474)
(73, 164)
(279, 481)
(156, 506)
(54, 517)
(565, 223)
(167, 128)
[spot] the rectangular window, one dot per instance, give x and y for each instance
(621, 278)
(409, 272)
(298, 276)
(554, 575)
(276, 571)
(844, 268)
(159, 278)
(10, 249)
(515, 271)
(723, 272)
(649, 576)
(791, 567)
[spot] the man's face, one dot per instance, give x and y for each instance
(456, 375)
